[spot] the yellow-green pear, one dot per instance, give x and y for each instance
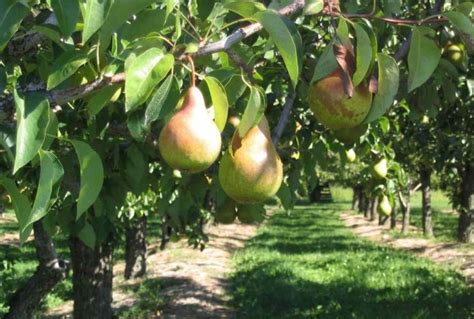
(333, 107)
(380, 169)
(351, 155)
(190, 141)
(251, 170)
(384, 207)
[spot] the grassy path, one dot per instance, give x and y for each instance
(310, 265)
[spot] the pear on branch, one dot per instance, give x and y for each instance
(251, 170)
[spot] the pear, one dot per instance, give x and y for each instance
(351, 135)
(190, 141)
(251, 170)
(384, 207)
(333, 108)
(379, 170)
(226, 213)
(351, 155)
(250, 214)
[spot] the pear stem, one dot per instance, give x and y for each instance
(193, 70)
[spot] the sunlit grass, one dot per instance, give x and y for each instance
(309, 265)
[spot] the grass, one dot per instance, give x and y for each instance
(309, 265)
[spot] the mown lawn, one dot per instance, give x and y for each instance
(308, 265)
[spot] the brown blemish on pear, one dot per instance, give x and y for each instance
(251, 171)
(190, 141)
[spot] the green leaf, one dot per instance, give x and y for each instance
(136, 126)
(12, 13)
(245, 9)
(205, 8)
(460, 22)
(342, 32)
(147, 21)
(65, 66)
(363, 54)
(102, 98)
(391, 7)
(253, 111)
(21, 206)
(120, 11)
(284, 194)
(32, 116)
(287, 39)
(96, 11)
(92, 176)
(51, 131)
(388, 83)
(143, 75)
(465, 8)
(219, 101)
(51, 173)
(87, 235)
(313, 7)
(326, 64)
(155, 107)
(423, 57)
(136, 170)
(67, 12)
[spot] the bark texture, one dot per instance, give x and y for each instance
(466, 218)
(374, 215)
(92, 279)
(427, 215)
(50, 271)
(135, 248)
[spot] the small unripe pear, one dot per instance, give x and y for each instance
(351, 155)
(333, 107)
(384, 207)
(380, 169)
(226, 213)
(234, 121)
(190, 141)
(251, 170)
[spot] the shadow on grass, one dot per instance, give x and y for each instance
(307, 265)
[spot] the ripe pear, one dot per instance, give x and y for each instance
(351, 155)
(384, 207)
(251, 170)
(351, 135)
(190, 141)
(333, 108)
(379, 170)
(250, 214)
(226, 213)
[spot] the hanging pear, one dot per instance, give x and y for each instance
(251, 170)
(384, 207)
(190, 141)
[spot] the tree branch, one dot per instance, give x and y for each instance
(239, 61)
(284, 118)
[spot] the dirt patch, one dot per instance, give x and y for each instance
(194, 283)
(458, 255)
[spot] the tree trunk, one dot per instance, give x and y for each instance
(466, 218)
(405, 206)
(50, 271)
(92, 279)
(361, 207)
(135, 248)
(373, 209)
(367, 206)
(393, 216)
(355, 196)
(427, 221)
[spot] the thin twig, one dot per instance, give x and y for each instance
(284, 118)
(239, 61)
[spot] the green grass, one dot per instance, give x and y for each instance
(308, 265)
